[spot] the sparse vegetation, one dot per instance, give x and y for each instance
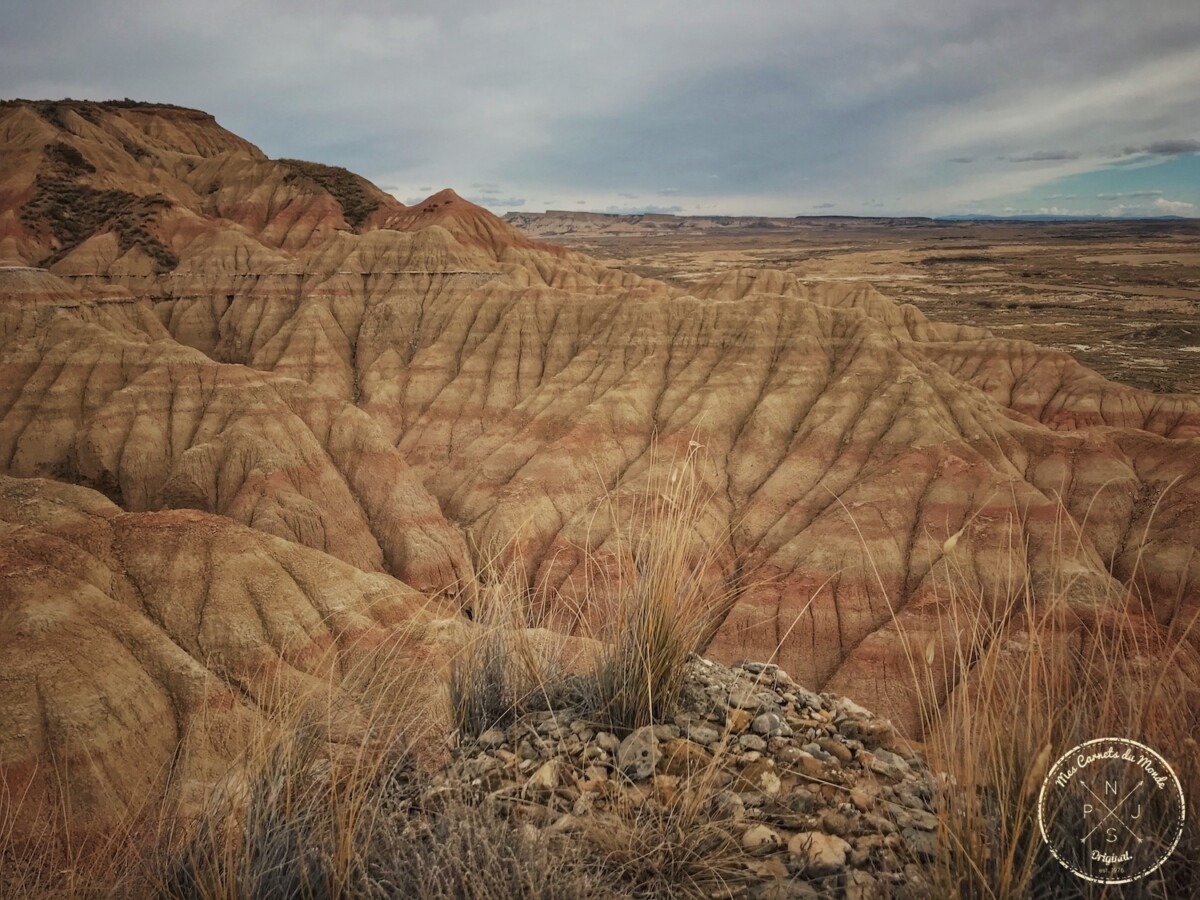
(72, 212)
(350, 191)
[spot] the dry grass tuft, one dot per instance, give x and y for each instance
(503, 672)
(664, 609)
(1045, 673)
(469, 850)
(685, 848)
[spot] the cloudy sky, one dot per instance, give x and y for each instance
(775, 107)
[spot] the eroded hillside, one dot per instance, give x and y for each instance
(405, 393)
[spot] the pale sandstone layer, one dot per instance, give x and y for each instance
(417, 400)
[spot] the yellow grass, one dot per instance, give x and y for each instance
(1034, 676)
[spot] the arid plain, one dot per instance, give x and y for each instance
(1121, 297)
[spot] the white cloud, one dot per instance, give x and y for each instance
(1174, 207)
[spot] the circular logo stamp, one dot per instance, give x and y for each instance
(1111, 810)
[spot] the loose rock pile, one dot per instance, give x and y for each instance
(816, 796)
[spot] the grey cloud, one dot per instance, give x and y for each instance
(863, 99)
(628, 196)
(962, 159)
(497, 202)
(643, 210)
(824, 205)
(1172, 147)
(1130, 195)
(1044, 156)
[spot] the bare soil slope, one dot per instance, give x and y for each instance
(375, 390)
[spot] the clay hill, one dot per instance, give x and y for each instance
(253, 411)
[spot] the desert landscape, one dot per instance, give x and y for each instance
(348, 540)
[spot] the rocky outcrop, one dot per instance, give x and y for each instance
(797, 794)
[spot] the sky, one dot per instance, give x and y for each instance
(770, 107)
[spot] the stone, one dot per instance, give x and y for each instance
(863, 886)
(922, 844)
(492, 739)
(836, 749)
(546, 778)
(607, 741)
(639, 753)
(889, 765)
(737, 720)
(684, 758)
(816, 854)
(760, 838)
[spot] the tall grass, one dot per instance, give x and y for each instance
(504, 671)
(1038, 673)
(652, 598)
(664, 602)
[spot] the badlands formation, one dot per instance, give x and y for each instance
(257, 416)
